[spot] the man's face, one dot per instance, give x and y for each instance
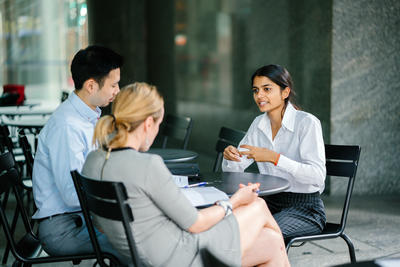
(106, 94)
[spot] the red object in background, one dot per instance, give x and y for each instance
(15, 89)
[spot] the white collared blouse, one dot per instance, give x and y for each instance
(300, 143)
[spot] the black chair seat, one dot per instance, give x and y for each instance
(29, 246)
(331, 228)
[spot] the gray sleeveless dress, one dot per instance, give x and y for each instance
(162, 213)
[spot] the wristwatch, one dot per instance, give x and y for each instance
(226, 204)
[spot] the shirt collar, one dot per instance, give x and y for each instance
(289, 117)
(288, 120)
(83, 109)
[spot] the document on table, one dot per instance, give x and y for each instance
(204, 195)
(180, 181)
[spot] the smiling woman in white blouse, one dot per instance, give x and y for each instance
(288, 143)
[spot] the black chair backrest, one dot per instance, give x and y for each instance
(106, 199)
(27, 150)
(176, 127)
(27, 250)
(227, 137)
(5, 140)
(9, 179)
(342, 161)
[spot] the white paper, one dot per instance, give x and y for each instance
(388, 262)
(204, 195)
(180, 180)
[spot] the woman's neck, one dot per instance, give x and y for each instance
(133, 141)
(275, 116)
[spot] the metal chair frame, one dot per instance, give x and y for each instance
(227, 137)
(109, 200)
(341, 161)
(176, 127)
(26, 250)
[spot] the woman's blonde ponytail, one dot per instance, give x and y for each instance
(131, 107)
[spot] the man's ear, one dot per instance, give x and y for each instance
(285, 92)
(90, 86)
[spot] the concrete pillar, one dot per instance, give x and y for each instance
(365, 103)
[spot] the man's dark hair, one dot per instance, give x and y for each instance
(94, 62)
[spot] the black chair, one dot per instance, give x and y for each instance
(27, 151)
(227, 137)
(177, 128)
(187, 169)
(26, 250)
(6, 143)
(341, 161)
(24, 183)
(105, 199)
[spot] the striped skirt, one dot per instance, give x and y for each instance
(297, 214)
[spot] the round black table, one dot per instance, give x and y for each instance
(228, 182)
(174, 155)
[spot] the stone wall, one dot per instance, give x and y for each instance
(365, 101)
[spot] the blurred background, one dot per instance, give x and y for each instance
(343, 55)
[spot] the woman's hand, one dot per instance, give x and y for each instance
(259, 154)
(245, 195)
(231, 153)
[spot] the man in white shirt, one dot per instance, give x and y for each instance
(63, 145)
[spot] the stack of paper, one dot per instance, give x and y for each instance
(203, 196)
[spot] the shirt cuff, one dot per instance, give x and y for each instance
(287, 164)
(230, 166)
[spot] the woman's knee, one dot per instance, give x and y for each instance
(262, 208)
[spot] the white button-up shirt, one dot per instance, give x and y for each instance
(300, 143)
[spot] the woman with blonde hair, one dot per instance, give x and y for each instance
(168, 230)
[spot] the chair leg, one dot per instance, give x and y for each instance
(351, 247)
(17, 264)
(288, 245)
(13, 226)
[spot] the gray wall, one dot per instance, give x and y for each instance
(294, 34)
(343, 56)
(122, 28)
(141, 31)
(366, 90)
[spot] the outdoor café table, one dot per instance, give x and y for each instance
(174, 155)
(228, 182)
(31, 123)
(29, 110)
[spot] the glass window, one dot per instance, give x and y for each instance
(38, 40)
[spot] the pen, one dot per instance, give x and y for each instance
(195, 185)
